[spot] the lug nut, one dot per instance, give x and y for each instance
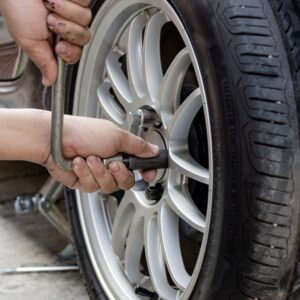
(149, 118)
(154, 192)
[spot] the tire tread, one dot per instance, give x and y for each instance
(266, 109)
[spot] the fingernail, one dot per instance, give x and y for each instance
(92, 160)
(154, 148)
(52, 20)
(78, 163)
(62, 48)
(46, 82)
(114, 167)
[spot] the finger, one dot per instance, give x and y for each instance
(149, 175)
(132, 144)
(71, 11)
(67, 178)
(68, 52)
(103, 177)
(87, 182)
(68, 30)
(123, 177)
(83, 3)
(42, 55)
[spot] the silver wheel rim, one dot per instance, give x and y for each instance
(134, 243)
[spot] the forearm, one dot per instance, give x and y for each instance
(25, 135)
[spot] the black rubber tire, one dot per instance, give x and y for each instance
(288, 17)
(253, 241)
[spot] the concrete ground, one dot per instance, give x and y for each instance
(29, 240)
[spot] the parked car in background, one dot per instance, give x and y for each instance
(216, 82)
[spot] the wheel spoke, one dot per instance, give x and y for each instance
(182, 204)
(169, 231)
(118, 80)
(172, 84)
(134, 249)
(182, 162)
(180, 124)
(155, 261)
(182, 120)
(110, 107)
(121, 225)
(135, 56)
(152, 57)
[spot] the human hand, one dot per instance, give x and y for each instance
(86, 140)
(29, 23)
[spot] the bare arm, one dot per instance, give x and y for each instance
(25, 135)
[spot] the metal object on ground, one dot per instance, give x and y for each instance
(37, 269)
(161, 161)
(58, 103)
(44, 202)
(67, 255)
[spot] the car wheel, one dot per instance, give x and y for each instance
(212, 83)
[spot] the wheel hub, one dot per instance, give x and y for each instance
(143, 118)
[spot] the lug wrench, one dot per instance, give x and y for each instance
(58, 102)
(57, 120)
(161, 161)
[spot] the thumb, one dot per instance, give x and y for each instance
(42, 55)
(132, 144)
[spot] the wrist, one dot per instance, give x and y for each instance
(25, 135)
(42, 136)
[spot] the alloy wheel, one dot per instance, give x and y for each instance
(140, 72)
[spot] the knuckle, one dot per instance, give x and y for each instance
(87, 2)
(54, 29)
(79, 38)
(68, 60)
(91, 189)
(99, 173)
(108, 189)
(71, 59)
(42, 66)
(84, 174)
(83, 3)
(120, 136)
(141, 145)
(87, 18)
(128, 183)
(74, 185)
(87, 36)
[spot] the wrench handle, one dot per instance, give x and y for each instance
(57, 120)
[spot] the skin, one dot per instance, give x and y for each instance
(22, 139)
(32, 24)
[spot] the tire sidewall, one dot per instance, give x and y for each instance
(204, 34)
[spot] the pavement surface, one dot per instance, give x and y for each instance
(28, 240)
